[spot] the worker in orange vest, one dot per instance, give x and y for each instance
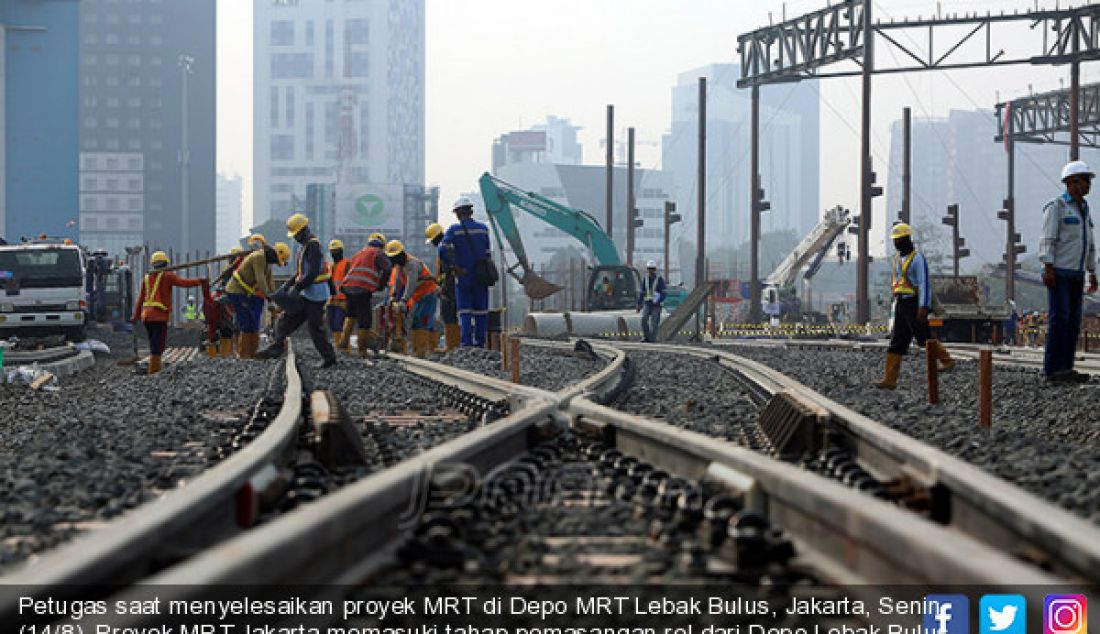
(337, 306)
(154, 305)
(413, 290)
(445, 276)
(367, 273)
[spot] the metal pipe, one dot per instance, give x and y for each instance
(1010, 213)
(906, 165)
(1074, 105)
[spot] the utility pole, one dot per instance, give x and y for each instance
(754, 212)
(671, 218)
(958, 244)
(1008, 214)
(630, 211)
(1075, 104)
(906, 166)
(185, 64)
(701, 205)
(863, 307)
(610, 168)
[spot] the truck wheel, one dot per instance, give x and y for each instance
(77, 334)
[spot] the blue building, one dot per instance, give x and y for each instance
(39, 111)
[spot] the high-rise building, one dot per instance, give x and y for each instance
(339, 100)
(39, 108)
(789, 148)
(956, 161)
(147, 74)
(552, 142)
(229, 196)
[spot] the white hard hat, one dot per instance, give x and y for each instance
(652, 264)
(463, 201)
(1076, 168)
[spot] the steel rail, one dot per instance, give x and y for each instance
(981, 505)
(171, 527)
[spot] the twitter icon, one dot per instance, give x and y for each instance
(1002, 614)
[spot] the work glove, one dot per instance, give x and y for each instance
(922, 314)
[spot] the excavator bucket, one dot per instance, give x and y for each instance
(537, 288)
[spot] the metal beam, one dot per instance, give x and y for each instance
(1045, 118)
(802, 47)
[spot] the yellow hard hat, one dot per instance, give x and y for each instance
(900, 230)
(394, 248)
(236, 250)
(433, 231)
(258, 237)
(377, 237)
(335, 244)
(282, 252)
(159, 257)
(296, 223)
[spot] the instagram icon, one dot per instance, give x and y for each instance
(1065, 614)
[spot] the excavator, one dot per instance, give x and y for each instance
(612, 285)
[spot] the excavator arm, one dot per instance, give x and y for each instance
(500, 197)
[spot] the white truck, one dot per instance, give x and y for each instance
(42, 290)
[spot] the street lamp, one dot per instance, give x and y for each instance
(185, 64)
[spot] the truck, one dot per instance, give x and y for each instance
(611, 285)
(42, 290)
(958, 314)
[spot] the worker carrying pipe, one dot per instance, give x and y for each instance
(912, 290)
(251, 283)
(154, 305)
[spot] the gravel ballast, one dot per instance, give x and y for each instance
(1045, 438)
(110, 440)
(544, 368)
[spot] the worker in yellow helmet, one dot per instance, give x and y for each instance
(413, 290)
(367, 273)
(154, 305)
(304, 297)
(251, 283)
(912, 290)
(257, 241)
(448, 309)
(337, 307)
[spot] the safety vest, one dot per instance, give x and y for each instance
(901, 285)
(362, 272)
(324, 275)
(190, 312)
(425, 281)
(240, 280)
(649, 285)
(338, 272)
(150, 296)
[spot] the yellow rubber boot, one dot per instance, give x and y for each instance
(225, 348)
(249, 343)
(212, 350)
(154, 364)
(946, 363)
(336, 337)
(345, 336)
(366, 341)
(452, 336)
(893, 368)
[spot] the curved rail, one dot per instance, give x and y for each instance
(173, 526)
(977, 503)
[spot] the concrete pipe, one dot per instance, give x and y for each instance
(606, 325)
(545, 325)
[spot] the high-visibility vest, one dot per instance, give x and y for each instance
(425, 281)
(240, 280)
(150, 295)
(338, 272)
(900, 284)
(323, 276)
(190, 312)
(650, 286)
(362, 272)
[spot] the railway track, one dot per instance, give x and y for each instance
(526, 498)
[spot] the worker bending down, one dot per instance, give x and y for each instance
(250, 284)
(912, 299)
(154, 305)
(310, 285)
(414, 291)
(367, 273)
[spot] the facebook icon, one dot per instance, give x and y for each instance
(946, 614)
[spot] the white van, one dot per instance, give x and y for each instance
(42, 291)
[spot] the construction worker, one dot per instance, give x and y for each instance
(912, 291)
(463, 245)
(337, 307)
(367, 273)
(249, 284)
(256, 242)
(651, 297)
(154, 305)
(1067, 250)
(310, 283)
(448, 309)
(191, 312)
(413, 290)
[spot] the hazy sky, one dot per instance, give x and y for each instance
(497, 65)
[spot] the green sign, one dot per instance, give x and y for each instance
(370, 210)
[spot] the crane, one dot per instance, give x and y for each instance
(612, 285)
(811, 249)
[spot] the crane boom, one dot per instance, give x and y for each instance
(820, 238)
